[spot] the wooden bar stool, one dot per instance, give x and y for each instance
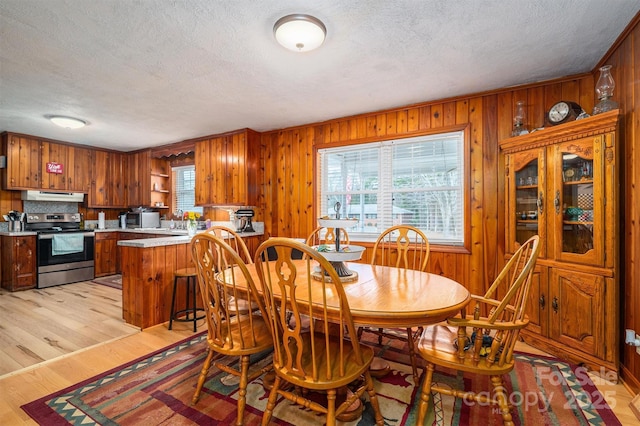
(190, 312)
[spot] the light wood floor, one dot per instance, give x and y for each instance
(36, 381)
(42, 324)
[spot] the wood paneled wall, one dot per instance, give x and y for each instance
(625, 60)
(289, 191)
(288, 207)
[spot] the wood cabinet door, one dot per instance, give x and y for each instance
(99, 194)
(23, 163)
(576, 316)
(105, 253)
(138, 181)
(577, 222)
(19, 262)
(79, 166)
(538, 304)
(526, 209)
(204, 172)
(54, 166)
(117, 193)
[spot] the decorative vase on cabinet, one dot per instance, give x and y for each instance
(573, 191)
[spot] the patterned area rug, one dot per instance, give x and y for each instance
(157, 390)
(114, 281)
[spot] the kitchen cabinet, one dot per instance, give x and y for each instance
(149, 182)
(64, 167)
(18, 267)
(138, 179)
(227, 169)
(561, 183)
(22, 154)
(107, 188)
(78, 160)
(160, 184)
(106, 245)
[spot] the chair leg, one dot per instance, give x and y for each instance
(192, 282)
(271, 403)
(373, 399)
(425, 393)
(331, 407)
(242, 388)
(412, 355)
(203, 377)
(501, 397)
(380, 336)
(173, 302)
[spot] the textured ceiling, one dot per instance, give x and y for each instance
(152, 72)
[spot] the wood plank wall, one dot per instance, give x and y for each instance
(288, 195)
(625, 60)
(289, 203)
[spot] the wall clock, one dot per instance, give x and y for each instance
(563, 112)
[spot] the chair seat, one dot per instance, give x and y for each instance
(185, 272)
(230, 343)
(243, 306)
(353, 370)
(436, 345)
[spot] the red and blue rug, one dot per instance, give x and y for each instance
(157, 389)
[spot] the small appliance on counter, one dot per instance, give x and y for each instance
(243, 220)
(143, 219)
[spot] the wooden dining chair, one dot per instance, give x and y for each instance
(233, 239)
(322, 358)
(227, 332)
(402, 246)
(483, 341)
(322, 235)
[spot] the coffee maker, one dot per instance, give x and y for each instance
(243, 218)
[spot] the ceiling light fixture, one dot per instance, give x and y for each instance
(300, 33)
(67, 122)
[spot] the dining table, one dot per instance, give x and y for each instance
(387, 296)
(381, 296)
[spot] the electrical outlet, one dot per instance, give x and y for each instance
(637, 347)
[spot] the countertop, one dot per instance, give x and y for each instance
(174, 236)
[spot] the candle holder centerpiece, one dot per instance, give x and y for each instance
(336, 254)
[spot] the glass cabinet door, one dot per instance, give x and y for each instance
(578, 201)
(525, 198)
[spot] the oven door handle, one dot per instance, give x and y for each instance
(50, 236)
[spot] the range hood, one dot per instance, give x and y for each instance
(70, 197)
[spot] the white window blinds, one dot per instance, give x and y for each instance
(416, 181)
(184, 179)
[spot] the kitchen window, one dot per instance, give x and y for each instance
(418, 181)
(184, 190)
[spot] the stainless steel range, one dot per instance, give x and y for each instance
(65, 252)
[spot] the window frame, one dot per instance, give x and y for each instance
(465, 247)
(175, 192)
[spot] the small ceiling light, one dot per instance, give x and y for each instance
(300, 33)
(67, 122)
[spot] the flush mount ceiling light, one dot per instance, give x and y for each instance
(300, 33)
(67, 122)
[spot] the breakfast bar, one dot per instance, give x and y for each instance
(148, 266)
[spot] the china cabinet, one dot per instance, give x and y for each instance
(561, 183)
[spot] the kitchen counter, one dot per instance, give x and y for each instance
(174, 236)
(148, 267)
(17, 234)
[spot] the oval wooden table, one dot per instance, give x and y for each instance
(387, 297)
